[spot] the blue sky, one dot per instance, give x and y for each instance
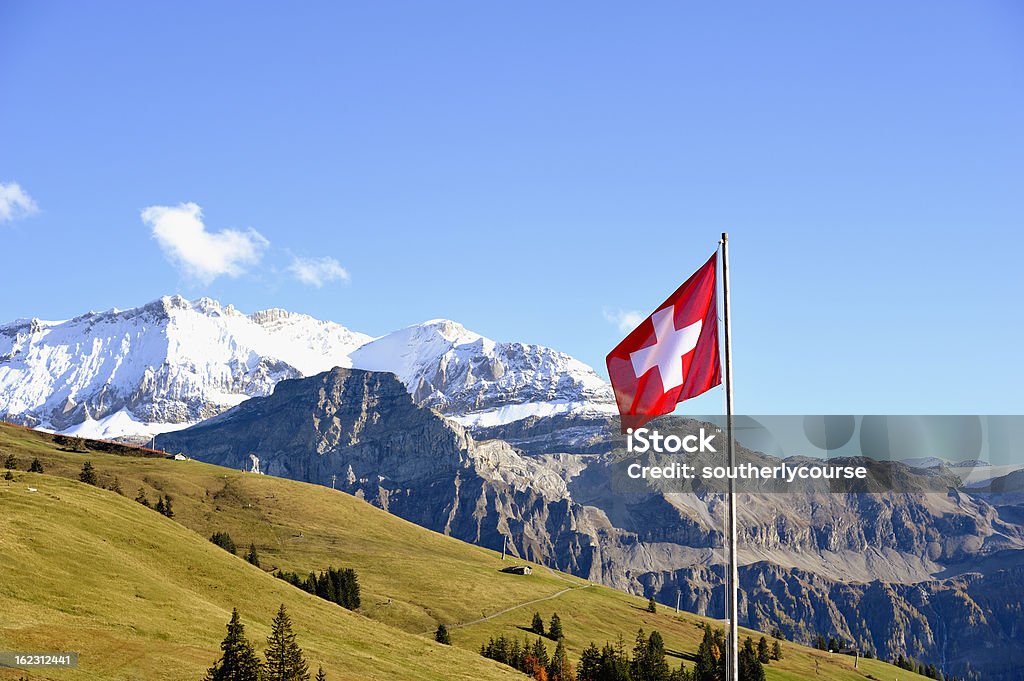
(535, 169)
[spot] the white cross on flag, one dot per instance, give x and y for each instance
(673, 355)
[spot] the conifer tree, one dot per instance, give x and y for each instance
(10, 463)
(540, 652)
(590, 664)
(160, 508)
(708, 653)
(652, 605)
(555, 628)
(284, 656)
(762, 651)
(537, 626)
(750, 668)
(638, 665)
(116, 486)
(36, 467)
(168, 509)
(559, 668)
(88, 474)
(442, 635)
(238, 661)
(252, 556)
(777, 650)
(141, 498)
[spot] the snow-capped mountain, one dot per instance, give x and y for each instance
(479, 382)
(158, 367)
(172, 363)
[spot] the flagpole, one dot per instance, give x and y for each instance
(732, 578)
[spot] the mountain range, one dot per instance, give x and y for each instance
(509, 444)
(172, 363)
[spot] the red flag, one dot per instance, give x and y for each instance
(673, 355)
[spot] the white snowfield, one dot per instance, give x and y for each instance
(173, 362)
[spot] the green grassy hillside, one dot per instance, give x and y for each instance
(133, 590)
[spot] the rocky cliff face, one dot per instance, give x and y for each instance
(362, 432)
(954, 623)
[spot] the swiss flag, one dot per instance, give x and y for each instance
(673, 355)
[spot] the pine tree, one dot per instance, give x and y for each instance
(88, 474)
(540, 652)
(537, 626)
(777, 650)
(116, 486)
(652, 605)
(141, 498)
(590, 664)
(320, 676)
(708, 653)
(36, 467)
(614, 662)
(559, 668)
(160, 508)
(252, 556)
(762, 651)
(649, 659)
(442, 635)
(284, 656)
(750, 669)
(555, 628)
(638, 665)
(10, 463)
(238, 661)
(168, 510)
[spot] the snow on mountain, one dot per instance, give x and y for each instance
(172, 363)
(479, 382)
(157, 367)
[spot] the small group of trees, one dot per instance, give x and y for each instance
(164, 503)
(929, 670)
(224, 540)
(711, 654)
(531, 658)
(284, 657)
(71, 442)
(647, 663)
(163, 506)
(11, 464)
(554, 630)
(339, 586)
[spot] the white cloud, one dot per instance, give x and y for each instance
(317, 271)
(201, 254)
(15, 202)
(625, 320)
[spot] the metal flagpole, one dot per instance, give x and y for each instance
(732, 578)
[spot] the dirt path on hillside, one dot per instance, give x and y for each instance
(514, 607)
